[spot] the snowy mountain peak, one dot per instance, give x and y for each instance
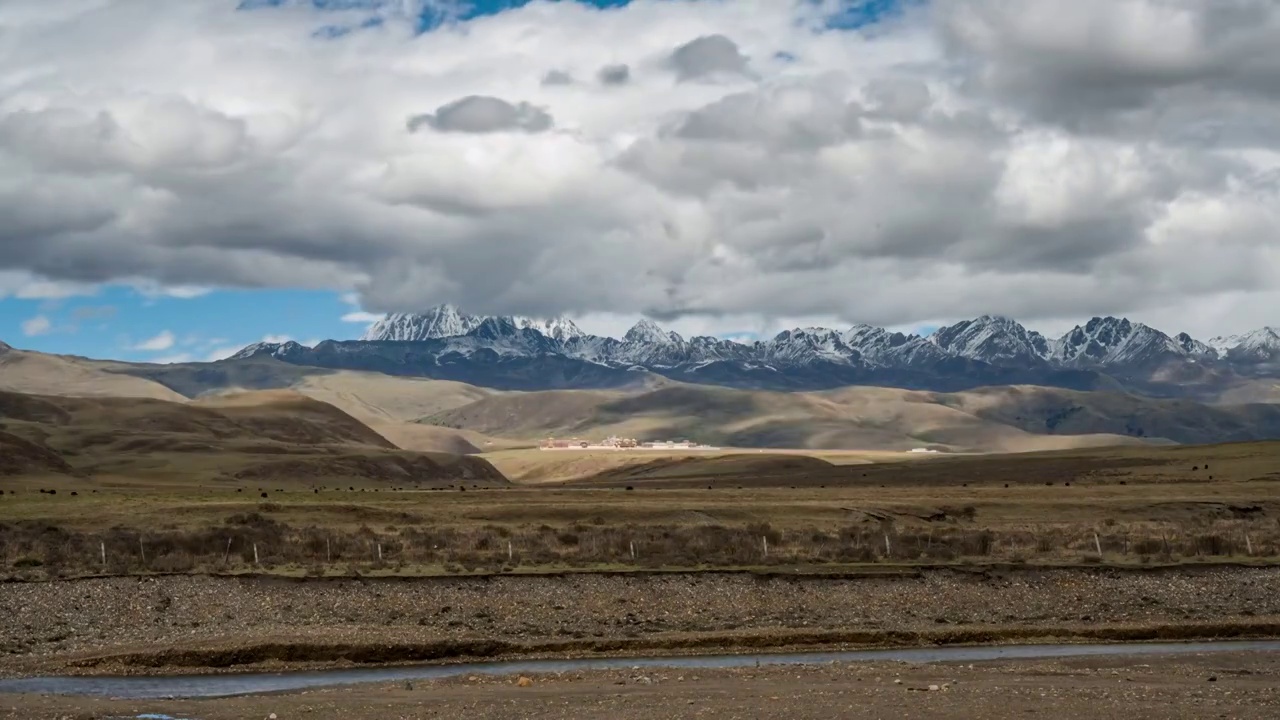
(992, 339)
(648, 331)
(558, 328)
(266, 349)
(1259, 345)
(438, 322)
(1111, 340)
(807, 345)
(446, 321)
(1195, 348)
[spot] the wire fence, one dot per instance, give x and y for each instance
(253, 540)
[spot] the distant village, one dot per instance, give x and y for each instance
(617, 443)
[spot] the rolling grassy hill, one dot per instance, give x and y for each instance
(32, 372)
(278, 437)
(1005, 419)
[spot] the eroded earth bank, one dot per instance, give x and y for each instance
(196, 623)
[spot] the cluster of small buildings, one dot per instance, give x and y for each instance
(617, 443)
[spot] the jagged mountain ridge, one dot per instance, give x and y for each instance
(513, 352)
(447, 321)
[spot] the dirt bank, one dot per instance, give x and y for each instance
(190, 623)
(1120, 688)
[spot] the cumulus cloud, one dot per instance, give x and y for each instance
(1034, 158)
(557, 77)
(708, 56)
(360, 316)
(615, 74)
(38, 325)
(481, 114)
(164, 341)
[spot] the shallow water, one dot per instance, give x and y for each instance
(211, 686)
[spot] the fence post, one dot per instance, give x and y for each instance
(633, 549)
(142, 551)
(510, 551)
(1248, 544)
(255, 553)
(764, 542)
(226, 557)
(102, 548)
(888, 549)
(328, 552)
(1097, 544)
(379, 552)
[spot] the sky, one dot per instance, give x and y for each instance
(180, 179)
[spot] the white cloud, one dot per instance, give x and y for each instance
(1044, 160)
(222, 352)
(361, 317)
(276, 339)
(26, 286)
(152, 290)
(38, 325)
(159, 343)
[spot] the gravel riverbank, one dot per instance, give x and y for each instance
(89, 625)
(1232, 685)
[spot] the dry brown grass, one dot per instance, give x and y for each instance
(258, 540)
(1151, 505)
(1013, 419)
(533, 466)
(277, 437)
(38, 373)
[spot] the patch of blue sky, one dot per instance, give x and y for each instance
(124, 323)
(430, 14)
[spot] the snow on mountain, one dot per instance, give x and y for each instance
(522, 352)
(991, 339)
(1195, 348)
(559, 328)
(881, 348)
(1113, 341)
(506, 336)
(447, 321)
(266, 349)
(438, 322)
(1259, 345)
(648, 331)
(803, 346)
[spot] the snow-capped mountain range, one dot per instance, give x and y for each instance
(530, 353)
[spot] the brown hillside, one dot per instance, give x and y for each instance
(41, 374)
(285, 419)
(24, 457)
(1004, 419)
(280, 436)
(860, 418)
(760, 467)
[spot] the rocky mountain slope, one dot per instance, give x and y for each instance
(1106, 353)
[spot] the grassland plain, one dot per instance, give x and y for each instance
(1118, 506)
(680, 555)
